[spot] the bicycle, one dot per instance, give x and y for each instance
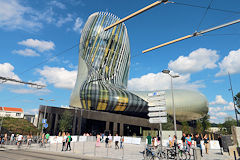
(150, 154)
(182, 153)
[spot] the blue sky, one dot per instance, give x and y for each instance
(33, 32)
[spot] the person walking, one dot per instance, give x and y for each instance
(170, 141)
(64, 137)
(197, 142)
(189, 143)
(106, 142)
(206, 143)
(220, 144)
(12, 139)
(184, 141)
(98, 140)
(117, 139)
(121, 142)
(149, 140)
(69, 139)
(110, 141)
(47, 137)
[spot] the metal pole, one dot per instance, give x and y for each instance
(193, 35)
(174, 113)
(174, 116)
(1, 122)
(233, 98)
(136, 13)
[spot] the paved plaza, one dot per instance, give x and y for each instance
(87, 150)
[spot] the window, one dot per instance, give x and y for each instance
(18, 114)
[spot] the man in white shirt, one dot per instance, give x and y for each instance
(116, 139)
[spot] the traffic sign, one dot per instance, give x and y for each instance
(154, 109)
(158, 120)
(45, 125)
(156, 93)
(156, 103)
(157, 114)
(44, 120)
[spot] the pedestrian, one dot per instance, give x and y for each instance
(117, 139)
(110, 141)
(106, 142)
(69, 139)
(220, 144)
(184, 141)
(12, 139)
(64, 137)
(47, 137)
(20, 140)
(206, 143)
(170, 141)
(98, 140)
(155, 143)
(149, 140)
(189, 143)
(121, 142)
(198, 142)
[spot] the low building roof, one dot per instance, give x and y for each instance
(11, 109)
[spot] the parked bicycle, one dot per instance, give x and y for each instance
(183, 154)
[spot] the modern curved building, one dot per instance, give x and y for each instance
(104, 61)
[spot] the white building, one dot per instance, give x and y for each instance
(11, 112)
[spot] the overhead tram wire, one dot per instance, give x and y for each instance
(204, 15)
(210, 8)
(45, 61)
(60, 53)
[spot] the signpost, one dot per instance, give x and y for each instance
(157, 110)
(157, 114)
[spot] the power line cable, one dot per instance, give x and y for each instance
(204, 15)
(216, 9)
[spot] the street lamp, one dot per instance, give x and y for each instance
(166, 71)
(45, 110)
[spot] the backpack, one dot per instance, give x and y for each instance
(70, 138)
(106, 140)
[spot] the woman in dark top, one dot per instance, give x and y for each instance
(220, 143)
(206, 141)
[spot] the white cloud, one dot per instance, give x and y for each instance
(13, 15)
(31, 91)
(215, 109)
(59, 77)
(229, 107)
(78, 25)
(37, 44)
(6, 70)
(58, 4)
(218, 81)
(26, 52)
(221, 114)
(197, 60)
(230, 63)
(31, 111)
(218, 101)
(62, 20)
(159, 81)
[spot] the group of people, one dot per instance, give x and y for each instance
(188, 141)
(66, 141)
(109, 139)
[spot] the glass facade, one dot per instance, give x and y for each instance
(106, 58)
(104, 61)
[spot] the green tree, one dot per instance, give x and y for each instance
(65, 123)
(185, 127)
(229, 122)
(199, 127)
(205, 123)
(237, 99)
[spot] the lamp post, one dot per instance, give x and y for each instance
(174, 112)
(234, 104)
(45, 110)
